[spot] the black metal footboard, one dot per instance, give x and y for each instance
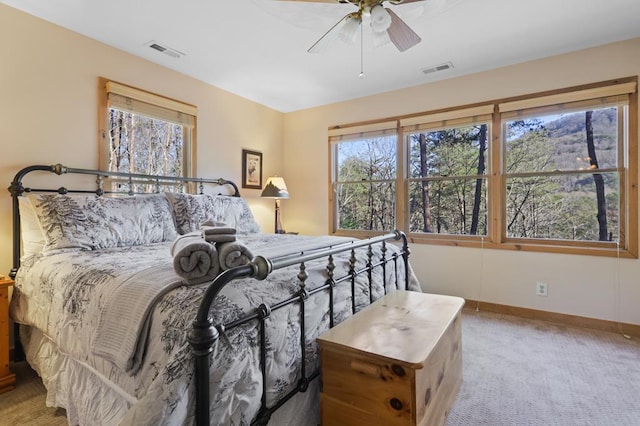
(205, 333)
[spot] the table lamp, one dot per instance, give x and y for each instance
(277, 189)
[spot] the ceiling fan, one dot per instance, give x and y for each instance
(386, 25)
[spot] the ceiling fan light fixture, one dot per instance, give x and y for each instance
(380, 19)
(380, 38)
(349, 30)
(385, 25)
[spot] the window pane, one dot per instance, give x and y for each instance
(139, 144)
(560, 142)
(366, 159)
(366, 206)
(458, 151)
(448, 206)
(563, 207)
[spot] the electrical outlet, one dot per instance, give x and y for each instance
(541, 289)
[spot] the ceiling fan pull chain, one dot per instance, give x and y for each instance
(361, 52)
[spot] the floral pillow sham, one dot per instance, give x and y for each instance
(191, 211)
(90, 222)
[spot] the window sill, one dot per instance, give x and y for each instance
(583, 249)
(604, 250)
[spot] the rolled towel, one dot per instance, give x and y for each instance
(217, 232)
(194, 259)
(233, 254)
(219, 238)
(214, 224)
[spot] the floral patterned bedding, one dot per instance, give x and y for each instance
(61, 294)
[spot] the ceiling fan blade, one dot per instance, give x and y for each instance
(400, 34)
(324, 41)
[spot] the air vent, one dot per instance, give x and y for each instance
(438, 68)
(165, 49)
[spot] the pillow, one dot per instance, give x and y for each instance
(91, 222)
(192, 210)
(33, 240)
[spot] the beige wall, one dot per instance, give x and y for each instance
(49, 110)
(594, 287)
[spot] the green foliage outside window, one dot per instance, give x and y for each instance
(365, 190)
(561, 178)
(571, 202)
(447, 189)
(550, 172)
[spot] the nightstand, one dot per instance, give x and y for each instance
(396, 362)
(7, 378)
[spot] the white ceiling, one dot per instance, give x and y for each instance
(258, 48)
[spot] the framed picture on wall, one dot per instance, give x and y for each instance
(251, 169)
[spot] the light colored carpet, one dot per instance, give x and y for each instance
(516, 372)
(525, 372)
(25, 405)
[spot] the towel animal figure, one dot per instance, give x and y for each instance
(194, 259)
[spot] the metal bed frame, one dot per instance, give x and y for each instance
(204, 333)
(129, 179)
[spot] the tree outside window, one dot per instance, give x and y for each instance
(145, 133)
(140, 144)
(447, 181)
(547, 172)
(365, 184)
(562, 176)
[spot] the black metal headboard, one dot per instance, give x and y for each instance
(126, 184)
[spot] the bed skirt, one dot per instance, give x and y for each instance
(90, 398)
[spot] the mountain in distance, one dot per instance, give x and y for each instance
(568, 133)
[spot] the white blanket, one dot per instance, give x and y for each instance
(123, 326)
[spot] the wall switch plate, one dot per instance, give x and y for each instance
(541, 289)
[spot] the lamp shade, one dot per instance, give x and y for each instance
(349, 30)
(380, 19)
(275, 188)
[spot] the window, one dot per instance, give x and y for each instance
(365, 180)
(552, 191)
(447, 172)
(147, 133)
(548, 172)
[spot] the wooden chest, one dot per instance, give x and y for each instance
(396, 362)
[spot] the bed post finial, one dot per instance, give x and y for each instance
(16, 188)
(99, 186)
(302, 276)
(262, 267)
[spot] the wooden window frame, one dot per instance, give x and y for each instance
(359, 132)
(146, 103)
(627, 247)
